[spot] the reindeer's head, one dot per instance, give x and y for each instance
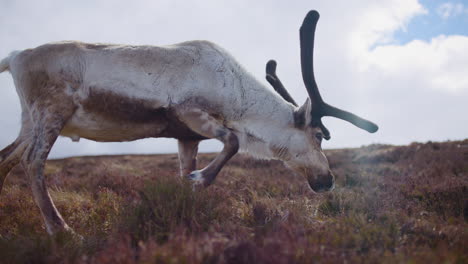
(308, 159)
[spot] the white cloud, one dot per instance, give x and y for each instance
(357, 66)
(416, 91)
(440, 64)
(379, 21)
(448, 9)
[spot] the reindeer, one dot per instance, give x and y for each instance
(190, 91)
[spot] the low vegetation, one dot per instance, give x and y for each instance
(392, 204)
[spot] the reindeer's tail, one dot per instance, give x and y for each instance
(5, 63)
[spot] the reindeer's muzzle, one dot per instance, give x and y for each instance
(322, 183)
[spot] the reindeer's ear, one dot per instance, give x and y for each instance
(302, 116)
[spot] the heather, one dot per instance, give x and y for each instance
(392, 204)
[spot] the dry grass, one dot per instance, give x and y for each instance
(392, 205)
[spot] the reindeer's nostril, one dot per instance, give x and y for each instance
(323, 183)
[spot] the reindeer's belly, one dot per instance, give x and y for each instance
(106, 116)
(97, 127)
(116, 128)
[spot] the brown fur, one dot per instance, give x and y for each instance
(115, 107)
(134, 118)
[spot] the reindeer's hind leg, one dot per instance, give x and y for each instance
(204, 124)
(9, 158)
(11, 155)
(48, 120)
(188, 150)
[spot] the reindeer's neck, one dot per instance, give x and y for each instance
(267, 127)
(268, 143)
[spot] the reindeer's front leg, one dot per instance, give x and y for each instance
(206, 125)
(188, 150)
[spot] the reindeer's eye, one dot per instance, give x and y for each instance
(319, 136)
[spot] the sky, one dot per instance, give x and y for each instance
(400, 63)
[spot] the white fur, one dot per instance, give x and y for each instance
(170, 76)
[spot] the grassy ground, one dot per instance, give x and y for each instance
(405, 204)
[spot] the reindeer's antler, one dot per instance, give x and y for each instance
(319, 107)
(273, 79)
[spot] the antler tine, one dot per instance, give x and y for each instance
(273, 79)
(362, 123)
(307, 36)
(326, 133)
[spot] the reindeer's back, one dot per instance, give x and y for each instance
(196, 73)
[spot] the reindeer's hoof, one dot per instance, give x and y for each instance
(77, 237)
(68, 236)
(196, 177)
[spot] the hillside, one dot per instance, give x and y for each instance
(392, 204)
